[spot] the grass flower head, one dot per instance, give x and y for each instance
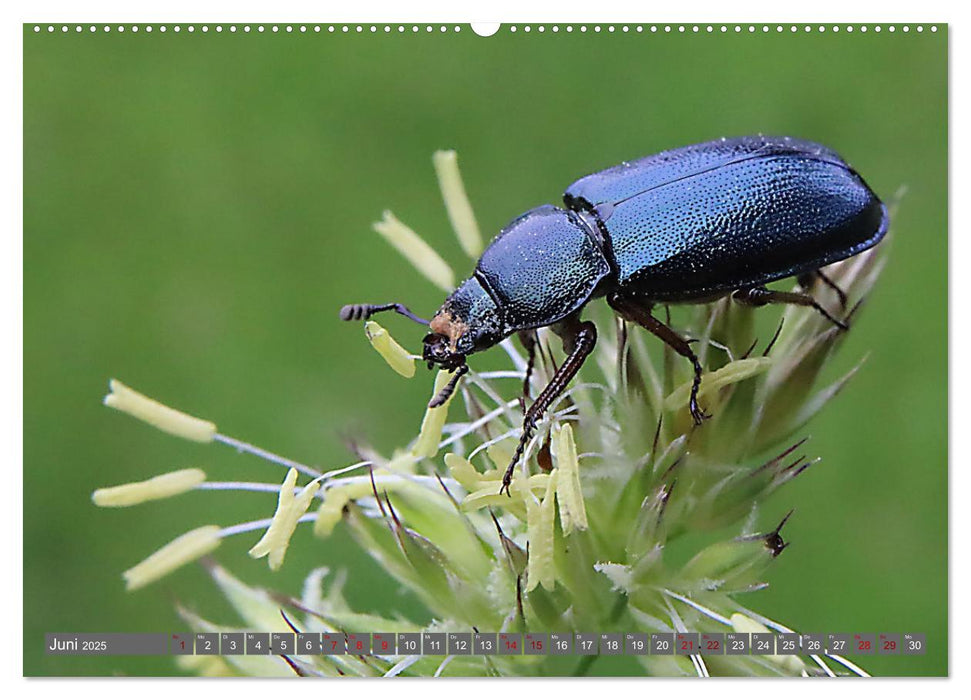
(615, 472)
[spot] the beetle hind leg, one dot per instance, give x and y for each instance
(760, 296)
(807, 280)
(639, 312)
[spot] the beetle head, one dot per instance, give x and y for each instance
(467, 322)
(438, 352)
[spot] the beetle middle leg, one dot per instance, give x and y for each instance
(579, 339)
(760, 296)
(639, 312)
(529, 340)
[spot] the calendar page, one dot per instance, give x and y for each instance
(410, 349)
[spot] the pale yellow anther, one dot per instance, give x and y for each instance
(330, 511)
(500, 453)
(180, 551)
(416, 251)
(569, 495)
(463, 471)
(522, 490)
(457, 203)
(156, 488)
(290, 508)
(159, 415)
(431, 425)
(398, 359)
(337, 497)
(541, 569)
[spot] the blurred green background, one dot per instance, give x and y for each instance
(197, 208)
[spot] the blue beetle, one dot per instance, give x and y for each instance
(688, 225)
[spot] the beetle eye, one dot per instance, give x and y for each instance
(436, 348)
(438, 352)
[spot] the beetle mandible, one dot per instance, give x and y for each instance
(689, 225)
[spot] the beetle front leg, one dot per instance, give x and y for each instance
(578, 340)
(639, 312)
(449, 388)
(760, 296)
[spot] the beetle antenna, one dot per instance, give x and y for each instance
(362, 312)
